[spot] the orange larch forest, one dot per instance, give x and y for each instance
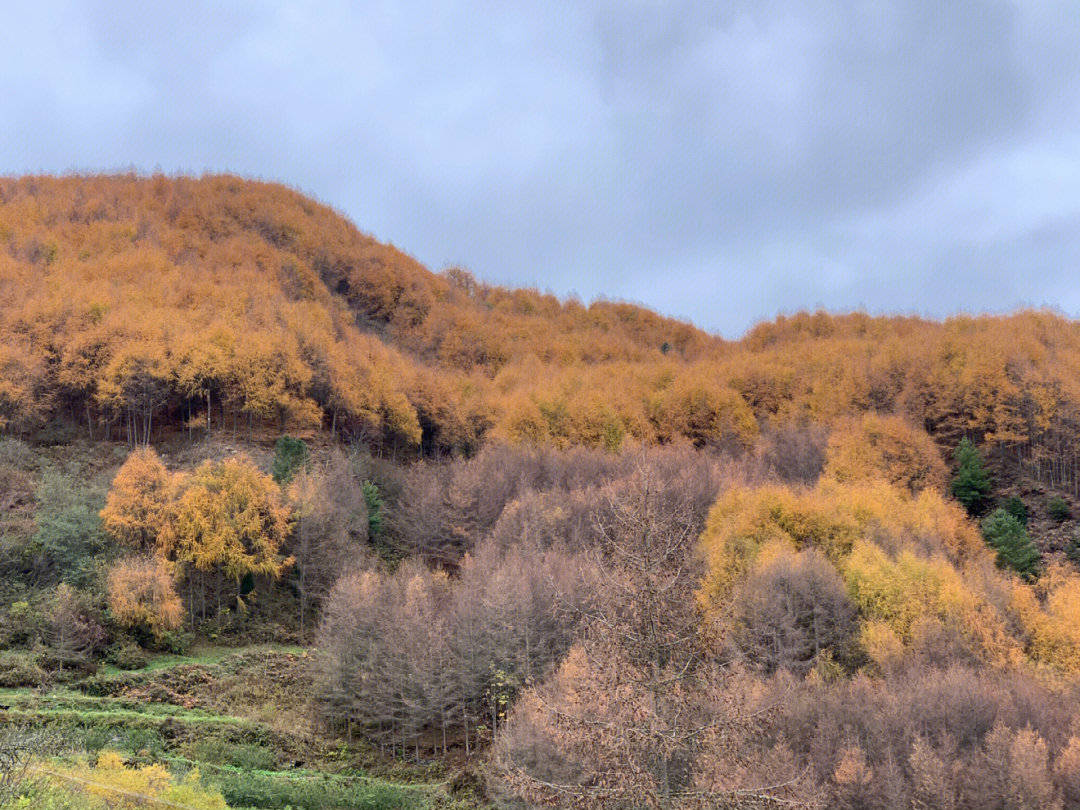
(256, 464)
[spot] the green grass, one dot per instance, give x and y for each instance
(311, 790)
(244, 758)
(66, 700)
(203, 655)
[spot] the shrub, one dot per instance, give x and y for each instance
(128, 655)
(56, 432)
(106, 783)
(143, 740)
(1058, 509)
(24, 624)
(176, 642)
(246, 757)
(98, 738)
(1072, 549)
(21, 669)
(251, 789)
(17, 454)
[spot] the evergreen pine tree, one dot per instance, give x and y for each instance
(374, 503)
(1014, 546)
(971, 486)
(1015, 507)
(290, 456)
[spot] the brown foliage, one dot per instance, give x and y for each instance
(635, 715)
(330, 530)
(418, 660)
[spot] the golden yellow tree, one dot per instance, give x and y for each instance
(887, 448)
(138, 504)
(142, 594)
(229, 516)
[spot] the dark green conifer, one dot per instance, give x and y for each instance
(971, 486)
(1014, 546)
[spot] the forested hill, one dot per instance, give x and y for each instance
(157, 299)
(137, 304)
(498, 545)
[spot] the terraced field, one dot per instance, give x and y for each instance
(210, 712)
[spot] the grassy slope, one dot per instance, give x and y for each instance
(205, 710)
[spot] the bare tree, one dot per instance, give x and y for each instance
(330, 530)
(637, 715)
(73, 632)
(419, 660)
(790, 610)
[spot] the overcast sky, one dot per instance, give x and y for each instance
(718, 161)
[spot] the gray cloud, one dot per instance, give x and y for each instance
(720, 162)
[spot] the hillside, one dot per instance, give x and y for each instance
(133, 304)
(286, 519)
(210, 301)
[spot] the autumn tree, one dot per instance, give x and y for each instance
(792, 608)
(885, 447)
(330, 529)
(637, 715)
(137, 507)
(229, 517)
(74, 633)
(135, 386)
(699, 407)
(142, 595)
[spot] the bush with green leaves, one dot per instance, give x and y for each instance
(247, 757)
(23, 625)
(1058, 509)
(21, 669)
(1072, 548)
(272, 790)
(127, 655)
(143, 742)
(1014, 546)
(971, 486)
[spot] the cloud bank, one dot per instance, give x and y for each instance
(717, 162)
